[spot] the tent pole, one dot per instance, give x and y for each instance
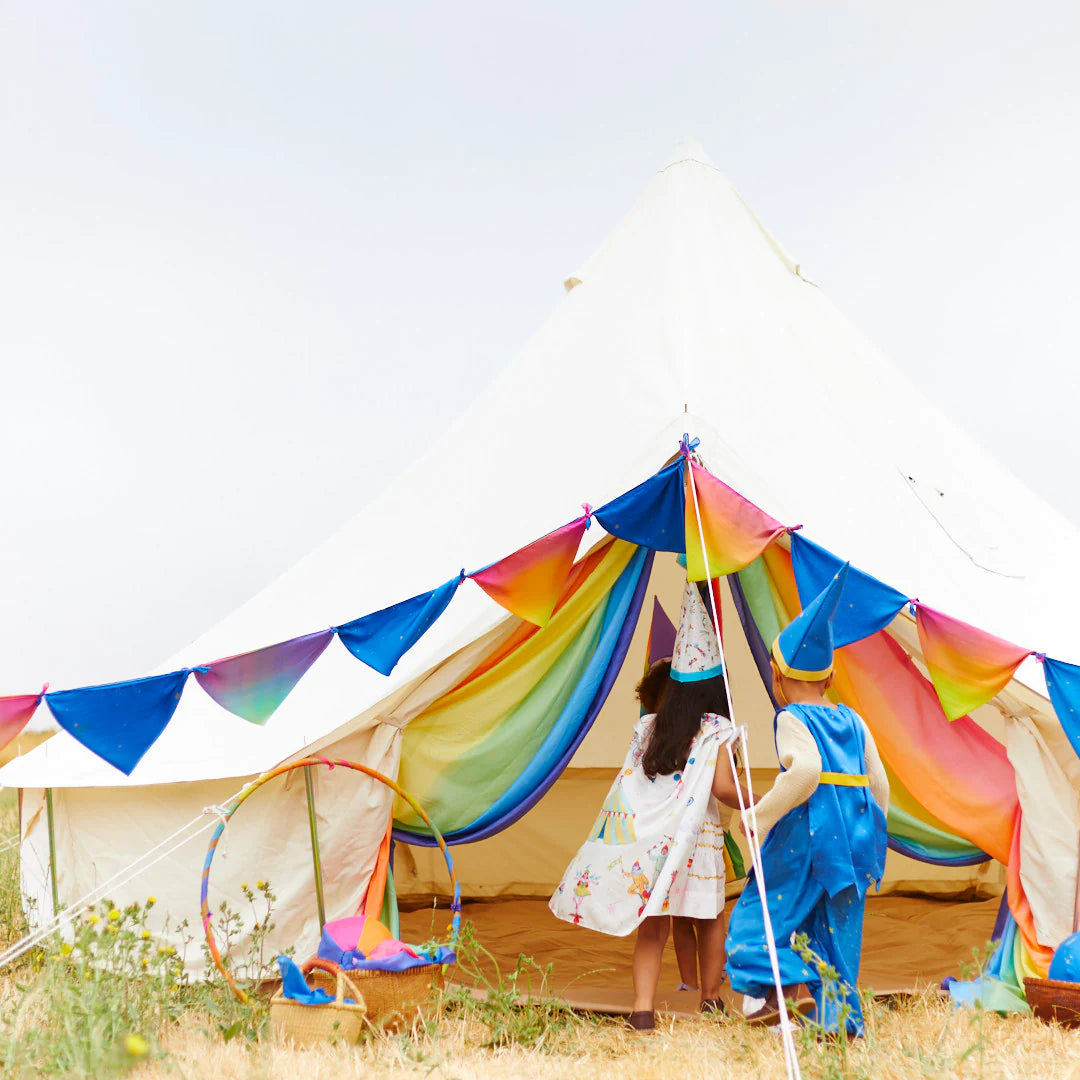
(315, 857)
(52, 851)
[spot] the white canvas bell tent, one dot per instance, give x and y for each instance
(690, 317)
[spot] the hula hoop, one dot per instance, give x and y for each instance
(204, 904)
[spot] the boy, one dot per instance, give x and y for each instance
(822, 831)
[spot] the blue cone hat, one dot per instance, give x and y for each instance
(803, 650)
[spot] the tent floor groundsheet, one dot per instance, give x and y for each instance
(909, 943)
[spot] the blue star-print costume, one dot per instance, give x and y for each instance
(819, 860)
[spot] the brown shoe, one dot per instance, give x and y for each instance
(643, 1021)
(713, 1007)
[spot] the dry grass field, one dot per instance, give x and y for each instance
(131, 1013)
(921, 1038)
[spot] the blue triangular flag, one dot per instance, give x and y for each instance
(1063, 685)
(653, 514)
(119, 721)
(866, 604)
(382, 638)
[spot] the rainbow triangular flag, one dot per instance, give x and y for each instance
(15, 713)
(252, 685)
(736, 531)
(529, 582)
(967, 666)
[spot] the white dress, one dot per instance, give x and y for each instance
(657, 847)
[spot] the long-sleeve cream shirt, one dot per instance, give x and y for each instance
(799, 756)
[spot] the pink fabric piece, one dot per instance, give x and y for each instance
(391, 947)
(346, 932)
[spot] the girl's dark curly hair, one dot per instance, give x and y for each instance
(678, 720)
(650, 691)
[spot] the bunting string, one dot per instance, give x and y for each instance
(683, 508)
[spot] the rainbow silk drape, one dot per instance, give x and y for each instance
(481, 755)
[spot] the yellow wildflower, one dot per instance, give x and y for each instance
(145, 935)
(136, 1045)
(94, 920)
(65, 950)
(260, 884)
(151, 901)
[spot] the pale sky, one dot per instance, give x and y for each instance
(254, 254)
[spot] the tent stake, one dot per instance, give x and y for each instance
(315, 857)
(52, 851)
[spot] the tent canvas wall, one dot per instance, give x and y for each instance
(689, 317)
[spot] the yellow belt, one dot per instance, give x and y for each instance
(842, 779)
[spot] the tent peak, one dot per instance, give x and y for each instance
(688, 150)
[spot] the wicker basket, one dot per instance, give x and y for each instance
(307, 1025)
(394, 999)
(1054, 1001)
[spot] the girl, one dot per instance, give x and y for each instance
(657, 847)
(650, 692)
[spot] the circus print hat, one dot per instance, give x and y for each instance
(696, 655)
(803, 650)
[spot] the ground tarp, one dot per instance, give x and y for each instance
(909, 942)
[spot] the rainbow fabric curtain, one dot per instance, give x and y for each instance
(483, 754)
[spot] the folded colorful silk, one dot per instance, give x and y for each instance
(389, 955)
